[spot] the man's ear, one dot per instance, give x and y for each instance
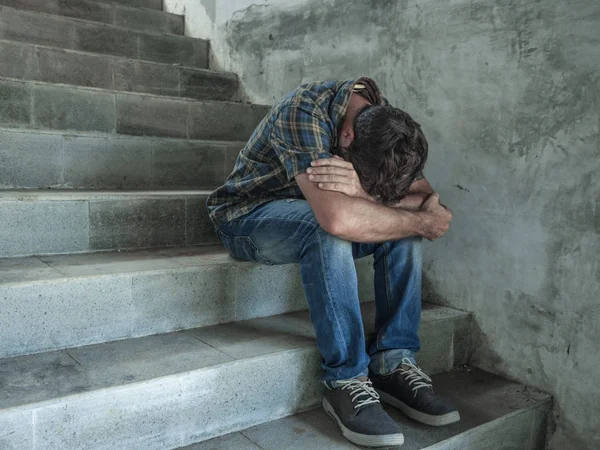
(347, 137)
(349, 134)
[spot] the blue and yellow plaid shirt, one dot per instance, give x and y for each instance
(302, 127)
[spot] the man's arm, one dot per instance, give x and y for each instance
(336, 174)
(418, 193)
(421, 186)
(360, 220)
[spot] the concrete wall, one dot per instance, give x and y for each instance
(508, 93)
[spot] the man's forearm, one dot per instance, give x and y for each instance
(365, 221)
(359, 220)
(412, 202)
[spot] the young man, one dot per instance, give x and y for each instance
(331, 174)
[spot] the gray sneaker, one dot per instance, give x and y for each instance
(355, 406)
(410, 390)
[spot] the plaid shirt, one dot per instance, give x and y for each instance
(302, 127)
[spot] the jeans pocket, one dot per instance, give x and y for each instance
(242, 247)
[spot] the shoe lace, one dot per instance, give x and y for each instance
(414, 375)
(361, 392)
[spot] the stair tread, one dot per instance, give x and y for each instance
(19, 25)
(38, 268)
(100, 24)
(53, 65)
(48, 195)
(131, 93)
(104, 55)
(480, 397)
(81, 109)
(158, 4)
(51, 376)
(105, 12)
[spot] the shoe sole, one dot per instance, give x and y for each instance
(364, 440)
(427, 419)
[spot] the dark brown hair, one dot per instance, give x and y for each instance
(389, 150)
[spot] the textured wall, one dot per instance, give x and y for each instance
(508, 93)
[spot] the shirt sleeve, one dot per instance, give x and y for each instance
(298, 138)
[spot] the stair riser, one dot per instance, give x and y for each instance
(33, 160)
(62, 32)
(45, 227)
(172, 411)
(523, 430)
(50, 315)
(42, 106)
(182, 409)
(51, 65)
(149, 20)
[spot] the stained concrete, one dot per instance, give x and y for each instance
(152, 116)
(29, 228)
(137, 223)
(30, 160)
(15, 110)
(199, 229)
(508, 95)
(100, 163)
(177, 164)
(80, 110)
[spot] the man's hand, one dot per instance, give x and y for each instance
(436, 218)
(336, 174)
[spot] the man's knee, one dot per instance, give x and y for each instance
(409, 247)
(331, 244)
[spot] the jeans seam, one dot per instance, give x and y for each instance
(387, 295)
(329, 294)
(260, 258)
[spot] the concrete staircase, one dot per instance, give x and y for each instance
(123, 323)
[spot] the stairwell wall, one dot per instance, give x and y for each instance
(508, 93)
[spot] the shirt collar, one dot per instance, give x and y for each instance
(342, 99)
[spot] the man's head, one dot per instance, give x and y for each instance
(386, 147)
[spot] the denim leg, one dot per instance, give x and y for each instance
(398, 268)
(286, 231)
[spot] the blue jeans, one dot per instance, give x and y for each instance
(286, 231)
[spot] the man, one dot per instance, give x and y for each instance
(331, 174)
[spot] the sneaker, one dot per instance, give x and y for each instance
(355, 406)
(410, 390)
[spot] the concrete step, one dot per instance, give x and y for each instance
(167, 391)
(54, 302)
(495, 414)
(140, 19)
(151, 4)
(40, 160)
(77, 34)
(52, 221)
(22, 61)
(42, 106)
